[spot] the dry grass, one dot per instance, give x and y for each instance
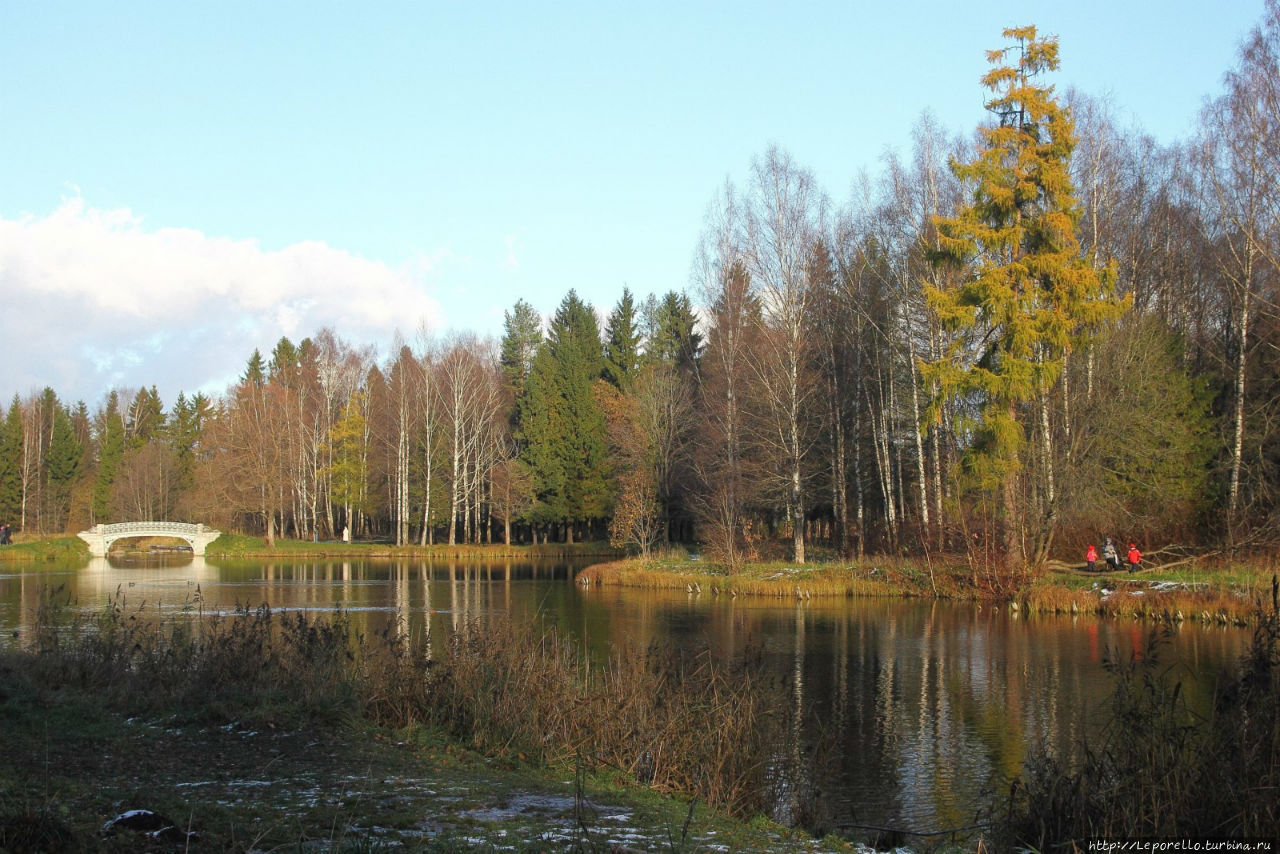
(674, 722)
(1137, 600)
(784, 581)
(671, 720)
(1230, 600)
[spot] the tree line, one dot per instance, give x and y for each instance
(1053, 329)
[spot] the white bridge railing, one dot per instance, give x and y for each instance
(100, 537)
(155, 529)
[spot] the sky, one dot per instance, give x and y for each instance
(181, 183)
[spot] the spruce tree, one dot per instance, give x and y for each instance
(522, 333)
(62, 464)
(563, 424)
(672, 331)
(1025, 291)
(11, 465)
(183, 432)
(255, 371)
(145, 420)
(622, 342)
(110, 454)
(543, 428)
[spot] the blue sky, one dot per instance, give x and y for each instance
(182, 182)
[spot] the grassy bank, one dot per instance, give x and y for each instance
(241, 546)
(781, 580)
(1222, 593)
(44, 550)
(231, 546)
(508, 738)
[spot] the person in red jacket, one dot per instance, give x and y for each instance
(1091, 557)
(1135, 558)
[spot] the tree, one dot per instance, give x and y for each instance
(348, 450)
(1026, 293)
(1152, 481)
(146, 486)
(145, 419)
(11, 464)
(622, 342)
(1237, 162)
(783, 225)
(110, 454)
(672, 331)
(562, 422)
(186, 428)
(522, 333)
(246, 469)
(512, 491)
(61, 464)
(255, 371)
(722, 455)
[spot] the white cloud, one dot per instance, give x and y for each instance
(92, 298)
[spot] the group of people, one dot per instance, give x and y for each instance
(1112, 556)
(5, 537)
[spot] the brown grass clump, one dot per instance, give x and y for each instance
(1053, 599)
(1205, 606)
(676, 723)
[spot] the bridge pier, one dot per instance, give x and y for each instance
(100, 537)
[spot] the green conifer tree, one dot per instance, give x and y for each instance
(110, 454)
(522, 333)
(11, 465)
(672, 331)
(145, 419)
(62, 464)
(183, 430)
(564, 427)
(255, 371)
(622, 342)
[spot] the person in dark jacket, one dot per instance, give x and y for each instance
(1110, 555)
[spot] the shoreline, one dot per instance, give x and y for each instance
(1225, 594)
(235, 547)
(1211, 598)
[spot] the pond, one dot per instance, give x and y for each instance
(913, 712)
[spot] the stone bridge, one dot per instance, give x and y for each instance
(100, 537)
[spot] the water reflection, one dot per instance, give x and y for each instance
(903, 713)
(914, 712)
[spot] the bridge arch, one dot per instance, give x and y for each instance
(100, 537)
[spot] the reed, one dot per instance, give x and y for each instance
(675, 722)
(1134, 600)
